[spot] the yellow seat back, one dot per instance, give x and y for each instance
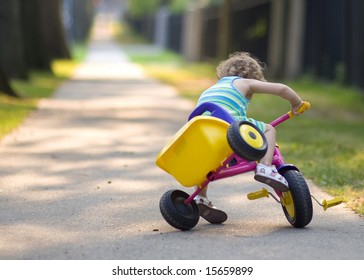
(199, 147)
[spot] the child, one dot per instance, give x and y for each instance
(240, 77)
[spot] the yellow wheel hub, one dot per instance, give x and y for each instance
(251, 136)
(287, 202)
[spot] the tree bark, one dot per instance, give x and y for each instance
(82, 19)
(295, 39)
(5, 87)
(192, 34)
(12, 57)
(54, 43)
(224, 30)
(276, 39)
(32, 35)
(44, 35)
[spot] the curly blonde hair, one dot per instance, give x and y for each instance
(241, 64)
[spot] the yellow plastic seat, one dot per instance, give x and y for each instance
(199, 147)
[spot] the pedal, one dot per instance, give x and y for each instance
(331, 203)
(258, 194)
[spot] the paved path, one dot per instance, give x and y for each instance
(78, 181)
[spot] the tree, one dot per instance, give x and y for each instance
(224, 30)
(5, 87)
(12, 58)
(138, 8)
(83, 12)
(31, 36)
(43, 32)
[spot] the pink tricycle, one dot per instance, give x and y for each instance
(212, 146)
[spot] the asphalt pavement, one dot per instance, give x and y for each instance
(78, 180)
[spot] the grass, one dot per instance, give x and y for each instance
(188, 78)
(64, 68)
(326, 143)
(13, 111)
(125, 35)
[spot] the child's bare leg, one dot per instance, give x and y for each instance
(203, 192)
(270, 135)
(266, 173)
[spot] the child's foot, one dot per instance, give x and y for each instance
(209, 212)
(270, 176)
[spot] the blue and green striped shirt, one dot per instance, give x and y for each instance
(224, 94)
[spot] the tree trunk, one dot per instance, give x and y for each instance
(53, 39)
(32, 35)
(83, 12)
(192, 34)
(295, 39)
(5, 87)
(12, 57)
(276, 39)
(44, 36)
(224, 30)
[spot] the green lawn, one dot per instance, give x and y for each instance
(326, 143)
(14, 110)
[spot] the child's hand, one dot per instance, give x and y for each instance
(295, 108)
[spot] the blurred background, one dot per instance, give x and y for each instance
(324, 38)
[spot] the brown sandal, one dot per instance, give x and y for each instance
(209, 212)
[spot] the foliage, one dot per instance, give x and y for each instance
(124, 34)
(138, 8)
(177, 6)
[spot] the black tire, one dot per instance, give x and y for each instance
(298, 210)
(240, 143)
(176, 212)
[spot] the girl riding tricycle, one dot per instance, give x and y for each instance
(219, 141)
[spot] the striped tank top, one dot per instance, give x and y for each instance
(224, 94)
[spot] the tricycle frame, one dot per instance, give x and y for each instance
(241, 166)
(179, 208)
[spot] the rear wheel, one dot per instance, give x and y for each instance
(247, 140)
(297, 203)
(174, 210)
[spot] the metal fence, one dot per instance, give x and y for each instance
(334, 40)
(174, 32)
(333, 37)
(250, 29)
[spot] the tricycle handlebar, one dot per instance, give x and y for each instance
(304, 107)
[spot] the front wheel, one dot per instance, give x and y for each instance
(174, 210)
(297, 203)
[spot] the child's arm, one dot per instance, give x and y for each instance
(251, 86)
